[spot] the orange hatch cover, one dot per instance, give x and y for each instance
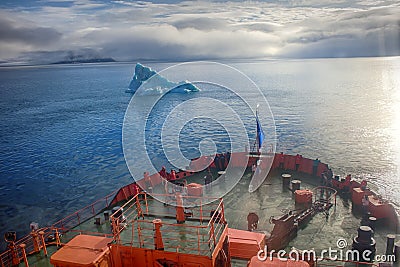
(83, 250)
(275, 262)
(244, 244)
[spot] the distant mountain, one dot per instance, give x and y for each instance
(85, 60)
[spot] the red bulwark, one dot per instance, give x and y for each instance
(290, 162)
(82, 251)
(306, 166)
(275, 262)
(244, 244)
(322, 167)
(239, 159)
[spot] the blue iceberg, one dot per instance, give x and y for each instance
(157, 84)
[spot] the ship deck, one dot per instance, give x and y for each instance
(271, 199)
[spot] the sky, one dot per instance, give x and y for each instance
(45, 31)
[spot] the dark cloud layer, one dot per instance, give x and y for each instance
(27, 34)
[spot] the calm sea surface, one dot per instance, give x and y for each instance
(61, 127)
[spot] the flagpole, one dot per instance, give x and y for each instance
(257, 133)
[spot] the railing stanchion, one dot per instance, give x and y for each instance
(139, 208)
(213, 233)
(198, 241)
(58, 241)
(223, 212)
(201, 213)
(22, 246)
(41, 233)
(36, 246)
(140, 236)
(147, 204)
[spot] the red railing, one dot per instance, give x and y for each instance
(325, 193)
(193, 238)
(49, 233)
(84, 214)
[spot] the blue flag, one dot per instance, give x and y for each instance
(260, 133)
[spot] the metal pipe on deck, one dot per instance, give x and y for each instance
(296, 184)
(286, 180)
(365, 241)
(397, 252)
(372, 222)
(390, 244)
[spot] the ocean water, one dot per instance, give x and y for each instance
(61, 127)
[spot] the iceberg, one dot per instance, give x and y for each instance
(157, 84)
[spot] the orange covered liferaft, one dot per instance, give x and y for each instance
(244, 244)
(303, 196)
(82, 251)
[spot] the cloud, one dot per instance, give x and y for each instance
(167, 42)
(200, 23)
(262, 26)
(11, 32)
(45, 57)
(186, 30)
(373, 32)
(373, 44)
